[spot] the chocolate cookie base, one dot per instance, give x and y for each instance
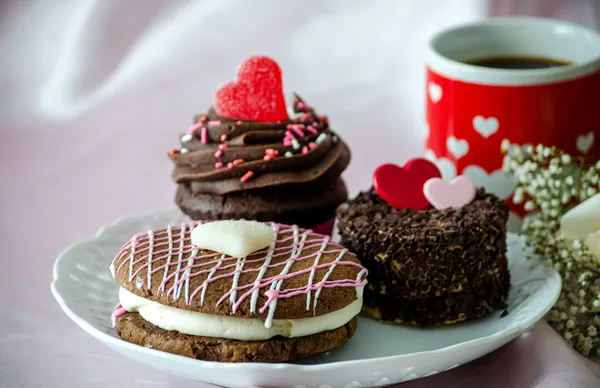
(133, 328)
(283, 206)
(429, 267)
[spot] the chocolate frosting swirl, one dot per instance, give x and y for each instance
(225, 155)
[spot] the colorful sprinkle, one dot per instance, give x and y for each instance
(302, 105)
(218, 154)
(270, 151)
(305, 150)
(295, 144)
(230, 165)
(312, 130)
(214, 123)
(334, 138)
(203, 119)
(219, 165)
(184, 151)
(223, 146)
(315, 124)
(238, 122)
(312, 145)
(237, 162)
(193, 128)
(267, 157)
(298, 131)
(305, 117)
(223, 137)
(186, 138)
(173, 152)
(321, 138)
(288, 154)
(204, 135)
(247, 176)
(287, 142)
(289, 135)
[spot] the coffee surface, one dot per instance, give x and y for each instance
(517, 62)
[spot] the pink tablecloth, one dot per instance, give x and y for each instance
(93, 93)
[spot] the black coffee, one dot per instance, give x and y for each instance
(517, 62)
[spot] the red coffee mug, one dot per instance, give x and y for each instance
(471, 108)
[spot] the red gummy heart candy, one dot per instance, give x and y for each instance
(402, 187)
(256, 94)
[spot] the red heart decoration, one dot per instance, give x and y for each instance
(256, 94)
(402, 187)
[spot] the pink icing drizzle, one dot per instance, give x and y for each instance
(175, 242)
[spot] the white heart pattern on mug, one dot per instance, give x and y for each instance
(445, 165)
(435, 92)
(457, 147)
(585, 142)
(500, 183)
(486, 127)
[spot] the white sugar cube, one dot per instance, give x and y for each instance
(234, 238)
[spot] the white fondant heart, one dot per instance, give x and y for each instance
(446, 166)
(500, 183)
(455, 194)
(582, 220)
(485, 127)
(457, 147)
(585, 142)
(435, 92)
(234, 238)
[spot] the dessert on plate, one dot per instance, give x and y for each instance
(435, 250)
(249, 158)
(237, 291)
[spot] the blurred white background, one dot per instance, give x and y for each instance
(93, 94)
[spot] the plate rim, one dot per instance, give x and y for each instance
(111, 341)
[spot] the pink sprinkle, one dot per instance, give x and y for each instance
(203, 119)
(229, 165)
(214, 123)
(287, 142)
(193, 128)
(270, 151)
(315, 124)
(305, 150)
(223, 146)
(203, 135)
(218, 154)
(219, 165)
(237, 162)
(312, 130)
(298, 131)
(223, 137)
(289, 135)
(305, 117)
(301, 105)
(312, 145)
(247, 176)
(238, 122)
(267, 157)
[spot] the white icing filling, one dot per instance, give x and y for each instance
(234, 238)
(245, 329)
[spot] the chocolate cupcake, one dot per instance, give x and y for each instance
(246, 158)
(237, 291)
(428, 265)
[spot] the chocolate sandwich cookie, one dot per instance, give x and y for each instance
(259, 162)
(237, 291)
(429, 266)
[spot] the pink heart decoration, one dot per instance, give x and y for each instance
(455, 194)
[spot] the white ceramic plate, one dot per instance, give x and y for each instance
(378, 355)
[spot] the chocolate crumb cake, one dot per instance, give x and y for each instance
(429, 267)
